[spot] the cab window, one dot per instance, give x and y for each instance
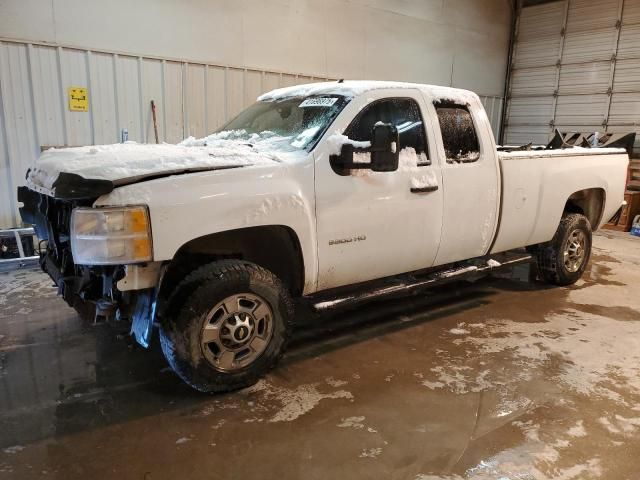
(458, 133)
(404, 113)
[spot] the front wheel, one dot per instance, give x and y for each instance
(563, 260)
(226, 325)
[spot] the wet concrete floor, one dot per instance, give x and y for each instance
(501, 378)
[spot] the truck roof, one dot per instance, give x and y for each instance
(353, 88)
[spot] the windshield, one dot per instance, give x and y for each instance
(293, 123)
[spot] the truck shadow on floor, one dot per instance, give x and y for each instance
(125, 382)
(320, 333)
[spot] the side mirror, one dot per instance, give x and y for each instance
(384, 148)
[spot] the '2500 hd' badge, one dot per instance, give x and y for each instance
(357, 238)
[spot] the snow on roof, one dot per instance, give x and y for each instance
(353, 88)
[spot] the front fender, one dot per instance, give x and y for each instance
(186, 207)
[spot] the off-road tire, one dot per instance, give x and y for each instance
(549, 256)
(187, 308)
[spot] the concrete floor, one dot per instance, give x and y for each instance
(501, 378)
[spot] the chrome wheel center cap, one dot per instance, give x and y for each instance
(237, 330)
(241, 333)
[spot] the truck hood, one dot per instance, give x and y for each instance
(85, 172)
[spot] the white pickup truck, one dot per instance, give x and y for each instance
(335, 193)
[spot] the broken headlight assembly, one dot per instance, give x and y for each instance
(111, 235)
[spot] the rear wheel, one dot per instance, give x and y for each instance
(226, 325)
(563, 260)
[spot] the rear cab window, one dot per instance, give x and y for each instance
(459, 135)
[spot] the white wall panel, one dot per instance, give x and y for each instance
(252, 87)
(74, 73)
(172, 115)
(128, 99)
(378, 39)
(7, 186)
(17, 105)
(235, 91)
(301, 79)
(216, 98)
(195, 95)
(103, 104)
(152, 88)
(46, 94)
(288, 80)
(191, 99)
(475, 62)
(285, 30)
(271, 81)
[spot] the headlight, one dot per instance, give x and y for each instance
(108, 236)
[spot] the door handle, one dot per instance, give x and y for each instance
(432, 188)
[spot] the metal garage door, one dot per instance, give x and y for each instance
(576, 67)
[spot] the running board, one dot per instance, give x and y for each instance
(408, 284)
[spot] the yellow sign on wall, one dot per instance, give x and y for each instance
(78, 99)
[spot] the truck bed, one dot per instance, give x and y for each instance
(537, 183)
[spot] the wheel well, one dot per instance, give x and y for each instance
(274, 247)
(588, 202)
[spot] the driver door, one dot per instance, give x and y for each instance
(371, 224)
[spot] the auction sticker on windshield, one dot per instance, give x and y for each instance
(318, 102)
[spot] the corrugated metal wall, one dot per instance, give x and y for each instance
(191, 98)
(493, 105)
(576, 67)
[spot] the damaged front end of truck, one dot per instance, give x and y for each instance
(99, 284)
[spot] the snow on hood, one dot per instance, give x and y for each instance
(131, 160)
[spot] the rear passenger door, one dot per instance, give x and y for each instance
(470, 177)
(375, 224)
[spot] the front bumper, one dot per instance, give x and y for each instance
(98, 286)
